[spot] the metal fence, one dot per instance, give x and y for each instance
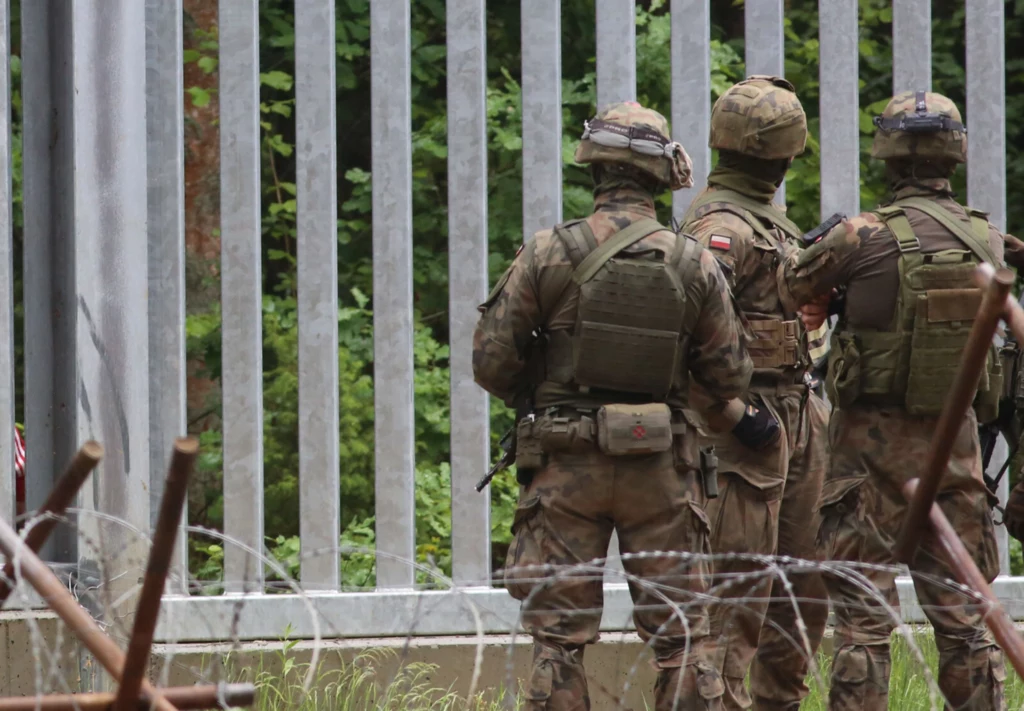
(104, 306)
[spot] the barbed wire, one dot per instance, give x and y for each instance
(118, 549)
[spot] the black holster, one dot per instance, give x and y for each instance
(709, 471)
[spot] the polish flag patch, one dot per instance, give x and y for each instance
(720, 242)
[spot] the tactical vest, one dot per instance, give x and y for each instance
(629, 342)
(777, 342)
(914, 361)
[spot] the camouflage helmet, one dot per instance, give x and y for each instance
(760, 117)
(626, 132)
(920, 124)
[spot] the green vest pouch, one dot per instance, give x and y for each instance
(914, 362)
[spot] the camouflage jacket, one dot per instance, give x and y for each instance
(533, 294)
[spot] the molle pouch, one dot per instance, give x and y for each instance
(942, 324)
(564, 434)
(529, 455)
(843, 384)
(624, 430)
(990, 389)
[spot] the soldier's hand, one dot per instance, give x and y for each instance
(757, 429)
(814, 313)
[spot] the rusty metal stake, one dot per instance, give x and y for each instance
(961, 394)
(966, 571)
(84, 461)
(186, 698)
(53, 592)
(148, 610)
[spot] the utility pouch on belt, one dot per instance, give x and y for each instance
(529, 455)
(709, 471)
(776, 343)
(565, 434)
(624, 430)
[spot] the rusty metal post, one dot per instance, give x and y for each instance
(63, 493)
(966, 571)
(959, 399)
(67, 608)
(148, 610)
(186, 698)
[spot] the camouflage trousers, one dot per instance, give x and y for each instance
(874, 452)
(766, 505)
(564, 520)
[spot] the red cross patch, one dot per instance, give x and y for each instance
(639, 432)
(721, 242)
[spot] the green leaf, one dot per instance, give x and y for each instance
(200, 97)
(276, 80)
(208, 64)
(361, 298)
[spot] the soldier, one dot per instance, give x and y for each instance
(906, 269)
(767, 498)
(629, 313)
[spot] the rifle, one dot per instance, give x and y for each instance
(508, 457)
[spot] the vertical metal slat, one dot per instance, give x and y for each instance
(111, 254)
(317, 184)
(616, 51)
(542, 115)
(467, 283)
(986, 138)
(764, 46)
(395, 432)
(911, 45)
(691, 91)
(166, 225)
(7, 489)
(49, 256)
(241, 292)
(840, 129)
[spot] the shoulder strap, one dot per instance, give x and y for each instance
(979, 223)
(686, 260)
(765, 211)
(577, 238)
(613, 245)
(896, 220)
(970, 237)
(686, 257)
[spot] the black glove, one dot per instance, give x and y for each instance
(757, 429)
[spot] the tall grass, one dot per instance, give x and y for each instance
(360, 685)
(908, 687)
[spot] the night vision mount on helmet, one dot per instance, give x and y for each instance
(920, 124)
(921, 121)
